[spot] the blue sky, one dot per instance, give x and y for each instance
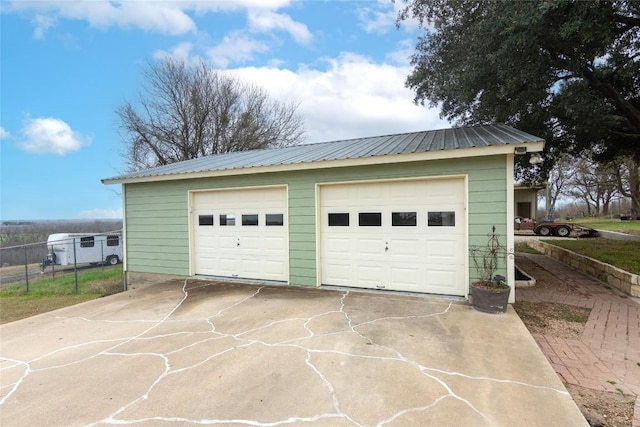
(67, 65)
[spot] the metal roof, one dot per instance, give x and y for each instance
(376, 146)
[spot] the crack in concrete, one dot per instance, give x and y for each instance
(495, 380)
(14, 386)
(244, 342)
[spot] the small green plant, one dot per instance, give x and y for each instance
(487, 259)
(525, 248)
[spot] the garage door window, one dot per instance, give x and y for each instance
(274, 219)
(369, 219)
(403, 219)
(250, 219)
(227, 220)
(442, 219)
(205, 219)
(338, 219)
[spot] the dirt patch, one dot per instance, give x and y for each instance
(557, 320)
(603, 408)
(105, 287)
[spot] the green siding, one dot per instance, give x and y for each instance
(157, 212)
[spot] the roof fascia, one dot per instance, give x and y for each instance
(531, 147)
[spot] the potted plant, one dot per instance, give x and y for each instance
(490, 293)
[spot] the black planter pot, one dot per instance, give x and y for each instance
(489, 300)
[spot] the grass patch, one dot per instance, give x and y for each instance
(46, 294)
(524, 248)
(620, 253)
(609, 224)
(16, 270)
(541, 312)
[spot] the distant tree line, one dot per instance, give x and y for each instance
(596, 185)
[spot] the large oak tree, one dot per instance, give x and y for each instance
(568, 71)
(185, 111)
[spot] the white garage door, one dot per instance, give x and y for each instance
(400, 235)
(241, 233)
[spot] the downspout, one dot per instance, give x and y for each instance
(124, 238)
(510, 170)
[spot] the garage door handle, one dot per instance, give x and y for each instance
(238, 244)
(386, 246)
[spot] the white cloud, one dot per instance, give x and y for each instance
(376, 21)
(101, 214)
(161, 17)
(169, 17)
(265, 21)
(180, 52)
(42, 24)
(174, 17)
(381, 17)
(51, 136)
(4, 134)
(239, 46)
(402, 55)
(164, 17)
(235, 48)
(208, 6)
(352, 97)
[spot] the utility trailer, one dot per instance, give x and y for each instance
(552, 228)
(89, 248)
(563, 230)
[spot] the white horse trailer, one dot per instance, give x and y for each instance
(89, 248)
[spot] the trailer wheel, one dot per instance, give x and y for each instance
(543, 230)
(112, 260)
(563, 231)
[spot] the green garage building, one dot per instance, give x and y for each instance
(394, 212)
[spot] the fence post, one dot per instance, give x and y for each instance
(75, 264)
(26, 267)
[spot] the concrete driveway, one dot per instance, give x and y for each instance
(203, 352)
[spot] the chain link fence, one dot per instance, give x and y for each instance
(20, 263)
(62, 253)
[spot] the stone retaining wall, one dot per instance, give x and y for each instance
(613, 276)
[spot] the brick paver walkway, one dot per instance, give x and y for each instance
(607, 355)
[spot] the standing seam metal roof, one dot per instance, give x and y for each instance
(407, 143)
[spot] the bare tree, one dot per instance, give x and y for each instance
(594, 183)
(628, 179)
(188, 111)
(559, 181)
